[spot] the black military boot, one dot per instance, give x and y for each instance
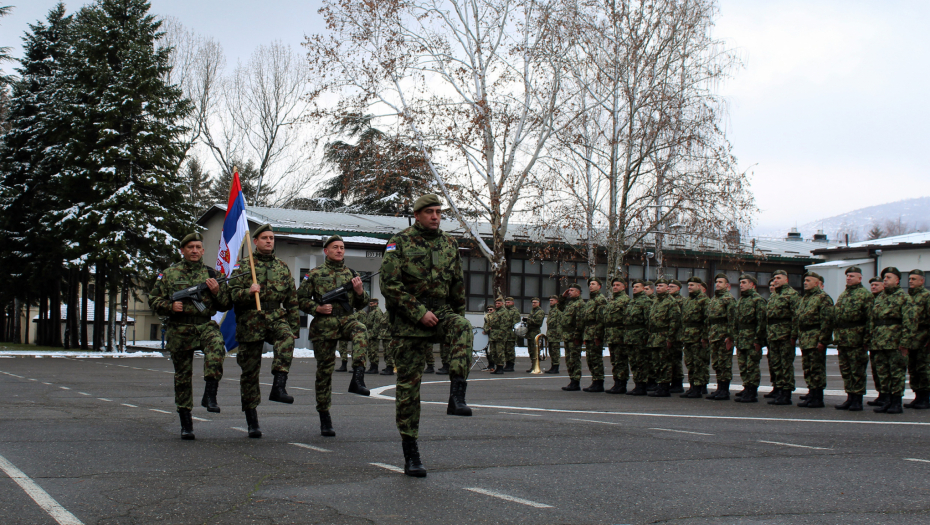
(373, 369)
(817, 400)
(722, 393)
(703, 390)
(677, 387)
(388, 371)
(878, 401)
(187, 423)
(443, 370)
(694, 393)
(783, 399)
(651, 385)
(662, 390)
(326, 425)
(572, 386)
(856, 405)
(737, 396)
(749, 395)
(457, 406)
(251, 419)
(773, 394)
(923, 401)
(596, 386)
(209, 395)
(412, 465)
(618, 388)
(509, 367)
(639, 389)
(278, 391)
(345, 366)
(805, 396)
(357, 384)
(429, 370)
(845, 404)
(690, 389)
(498, 370)
(894, 407)
(553, 370)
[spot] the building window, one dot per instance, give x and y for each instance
(155, 333)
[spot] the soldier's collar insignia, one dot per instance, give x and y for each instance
(390, 247)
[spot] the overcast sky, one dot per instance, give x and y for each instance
(829, 111)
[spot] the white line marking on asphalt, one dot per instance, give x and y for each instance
(240, 429)
(311, 447)
(44, 383)
(42, 498)
(124, 366)
(105, 399)
(917, 460)
(84, 393)
(128, 405)
(519, 414)
(64, 388)
(681, 431)
(593, 421)
(791, 445)
(161, 411)
(31, 379)
(392, 468)
(200, 418)
(506, 497)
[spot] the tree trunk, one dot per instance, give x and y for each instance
(54, 313)
(17, 322)
(85, 280)
(124, 319)
(111, 322)
(99, 312)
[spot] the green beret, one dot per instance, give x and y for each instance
(595, 280)
(499, 299)
(917, 272)
(891, 269)
(426, 201)
(853, 269)
(649, 283)
(875, 280)
(779, 272)
(696, 279)
(748, 278)
(536, 299)
(262, 229)
(639, 281)
(332, 239)
(510, 299)
(723, 276)
(619, 278)
(815, 275)
(676, 282)
(190, 237)
(556, 297)
(575, 286)
(661, 281)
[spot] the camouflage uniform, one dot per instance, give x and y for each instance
(376, 323)
(892, 324)
(851, 317)
(693, 336)
(614, 318)
(534, 323)
(276, 322)
(750, 330)
(721, 312)
(190, 329)
(814, 321)
(422, 272)
(918, 356)
(497, 337)
(781, 332)
(664, 325)
(327, 329)
(677, 352)
(636, 334)
(573, 332)
(554, 334)
(594, 334)
(510, 346)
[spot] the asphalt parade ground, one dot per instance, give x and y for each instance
(97, 441)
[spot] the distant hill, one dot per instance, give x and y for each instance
(893, 218)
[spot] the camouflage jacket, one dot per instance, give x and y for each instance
(278, 297)
(892, 321)
(664, 320)
(721, 316)
(177, 277)
(421, 272)
(593, 320)
(851, 316)
(317, 282)
(920, 305)
(376, 322)
(694, 318)
(636, 320)
(554, 325)
(572, 314)
(614, 313)
(749, 320)
(814, 319)
(780, 312)
(535, 320)
(513, 318)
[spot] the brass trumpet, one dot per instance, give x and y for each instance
(542, 352)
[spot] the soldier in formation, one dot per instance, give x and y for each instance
(851, 317)
(663, 326)
(781, 334)
(814, 321)
(614, 320)
(572, 306)
(594, 335)
(510, 317)
(721, 318)
(678, 377)
(497, 336)
(891, 325)
(534, 323)
(918, 353)
(554, 334)
(694, 338)
(750, 331)
(636, 336)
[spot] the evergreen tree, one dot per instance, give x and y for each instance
(5, 51)
(876, 232)
(248, 179)
(197, 186)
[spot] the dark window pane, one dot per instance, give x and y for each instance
(515, 285)
(704, 274)
(478, 265)
(582, 270)
(549, 287)
(550, 268)
(532, 267)
(684, 274)
(568, 268)
(476, 283)
(531, 287)
(516, 266)
(476, 304)
(636, 271)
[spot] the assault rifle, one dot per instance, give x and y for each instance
(195, 293)
(340, 295)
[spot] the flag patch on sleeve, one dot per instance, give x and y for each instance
(160, 276)
(390, 247)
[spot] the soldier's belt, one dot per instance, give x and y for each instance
(843, 326)
(806, 327)
(743, 326)
(888, 322)
(718, 320)
(694, 324)
(187, 319)
(779, 320)
(634, 327)
(432, 303)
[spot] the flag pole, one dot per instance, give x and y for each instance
(248, 240)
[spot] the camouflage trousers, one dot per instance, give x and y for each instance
(409, 357)
(662, 362)
(182, 340)
(249, 359)
(853, 362)
(619, 362)
(875, 380)
(918, 366)
(279, 335)
(892, 369)
(640, 363)
(374, 347)
(573, 360)
(675, 356)
(555, 352)
(595, 357)
(324, 350)
(721, 360)
(531, 345)
(814, 365)
(444, 352)
(496, 352)
(781, 364)
(697, 359)
(388, 352)
(510, 351)
(748, 360)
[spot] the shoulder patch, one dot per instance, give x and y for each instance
(306, 276)
(160, 276)
(390, 247)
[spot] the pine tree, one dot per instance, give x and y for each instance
(197, 186)
(876, 232)
(248, 178)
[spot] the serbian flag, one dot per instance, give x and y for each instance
(235, 228)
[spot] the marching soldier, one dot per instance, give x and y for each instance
(721, 316)
(614, 313)
(554, 334)
(750, 328)
(510, 347)
(276, 322)
(814, 322)
(892, 324)
(189, 329)
(345, 354)
(918, 356)
(572, 306)
(444, 353)
(876, 286)
(678, 378)
(694, 338)
(664, 325)
(333, 323)
(772, 358)
(594, 335)
(497, 337)
(781, 335)
(424, 288)
(534, 323)
(636, 335)
(851, 315)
